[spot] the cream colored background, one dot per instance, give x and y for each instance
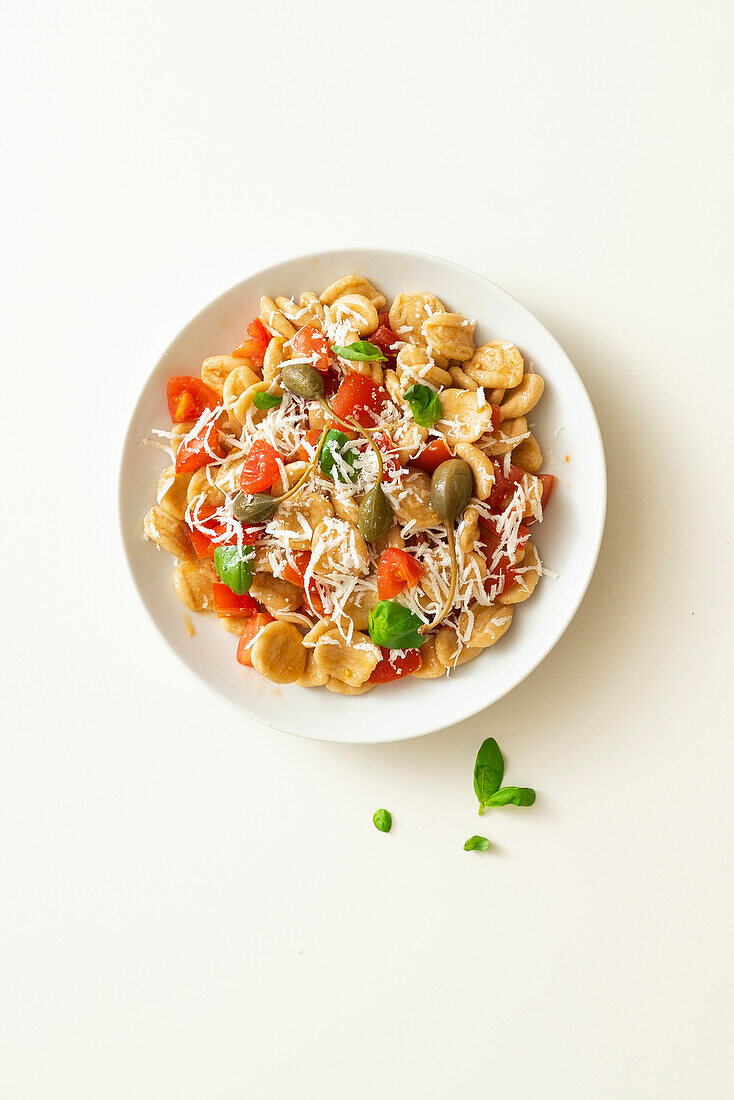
(195, 907)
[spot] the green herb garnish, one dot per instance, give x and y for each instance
(488, 772)
(234, 567)
(382, 820)
(394, 626)
(424, 404)
(361, 350)
(264, 401)
(476, 844)
(335, 443)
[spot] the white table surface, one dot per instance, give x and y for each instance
(193, 906)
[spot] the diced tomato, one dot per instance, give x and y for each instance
(503, 486)
(549, 482)
(309, 342)
(261, 467)
(392, 667)
(390, 458)
(256, 346)
(204, 544)
(252, 628)
(495, 417)
(229, 605)
(312, 437)
(294, 573)
(396, 571)
(199, 451)
(431, 457)
(385, 339)
(188, 398)
(384, 318)
(313, 599)
(359, 397)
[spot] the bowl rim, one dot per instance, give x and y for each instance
(598, 535)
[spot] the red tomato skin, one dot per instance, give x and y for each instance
(312, 437)
(384, 318)
(309, 340)
(386, 671)
(549, 483)
(188, 397)
(396, 571)
(495, 417)
(503, 486)
(256, 346)
(252, 627)
(261, 468)
(204, 545)
(294, 574)
(390, 458)
(228, 604)
(193, 455)
(431, 457)
(385, 339)
(358, 396)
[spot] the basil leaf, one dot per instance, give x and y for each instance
(334, 444)
(425, 405)
(234, 567)
(394, 626)
(266, 401)
(488, 771)
(361, 350)
(512, 796)
(382, 820)
(476, 844)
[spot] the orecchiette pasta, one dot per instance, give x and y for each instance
(347, 535)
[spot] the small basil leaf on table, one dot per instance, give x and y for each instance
(334, 444)
(394, 626)
(512, 796)
(488, 771)
(425, 405)
(382, 820)
(476, 844)
(234, 567)
(362, 351)
(265, 401)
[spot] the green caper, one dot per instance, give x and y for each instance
(254, 508)
(375, 515)
(452, 485)
(302, 380)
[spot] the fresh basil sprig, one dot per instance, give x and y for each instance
(394, 626)
(234, 567)
(361, 350)
(425, 405)
(382, 820)
(476, 844)
(264, 401)
(334, 443)
(488, 772)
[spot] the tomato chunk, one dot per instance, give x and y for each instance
(252, 628)
(392, 665)
(261, 468)
(313, 599)
(385, 339)
(396, 571)
(431, 457)
(391, 463)
(549, 482)
(503, 486)
(359, 397)
(294, 573)
(199, 450)
(312, 437)
(256, 346)
(229, 605)
(188, 398)
(205, 544)
(310, 343)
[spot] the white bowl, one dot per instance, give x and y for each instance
(568, 539)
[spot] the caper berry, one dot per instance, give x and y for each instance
(302, 380)
(254, 507)
(452, 485)
(375, 515)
